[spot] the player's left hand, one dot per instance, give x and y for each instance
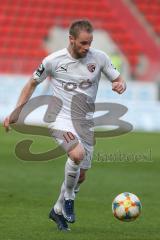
(119, 85)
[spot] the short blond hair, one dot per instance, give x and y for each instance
(80, 25)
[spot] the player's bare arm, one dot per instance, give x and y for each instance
(25, 95)
(118, 85)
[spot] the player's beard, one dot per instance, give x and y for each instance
(77, 53)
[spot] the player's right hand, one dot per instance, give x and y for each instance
(6, 124)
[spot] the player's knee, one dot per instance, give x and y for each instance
(77, 157)
(77, 154)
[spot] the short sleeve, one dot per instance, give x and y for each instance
(108, 68)
(42, 71)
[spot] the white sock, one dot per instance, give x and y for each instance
(72, 172)
(59, 204)
(72, 183)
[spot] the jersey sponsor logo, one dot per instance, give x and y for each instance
(40, 70)
(91, 67)
(70, 86)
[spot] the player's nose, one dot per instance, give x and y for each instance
(86, 49)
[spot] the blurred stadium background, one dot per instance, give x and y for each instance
(129, 32)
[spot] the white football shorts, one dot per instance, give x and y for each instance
(63, 131)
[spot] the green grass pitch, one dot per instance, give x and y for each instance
(28, 190)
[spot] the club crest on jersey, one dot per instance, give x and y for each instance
(91, 67)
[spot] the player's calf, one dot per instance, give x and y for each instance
(81, 179)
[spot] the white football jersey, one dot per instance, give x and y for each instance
(72, 78)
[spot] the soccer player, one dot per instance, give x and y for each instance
(75, 73)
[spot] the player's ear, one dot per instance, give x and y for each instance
(71, 39)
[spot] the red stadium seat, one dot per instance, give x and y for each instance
(151, 12)
(24, 25)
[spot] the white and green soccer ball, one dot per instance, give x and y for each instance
(126, 207)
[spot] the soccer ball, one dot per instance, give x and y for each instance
(126, 207)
